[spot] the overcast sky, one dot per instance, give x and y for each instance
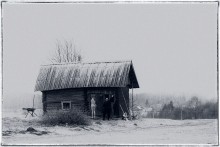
(173, 46)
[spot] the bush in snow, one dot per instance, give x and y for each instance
(60, 117)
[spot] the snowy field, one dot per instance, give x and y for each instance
(143, 131)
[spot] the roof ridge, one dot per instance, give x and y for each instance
(96, 62)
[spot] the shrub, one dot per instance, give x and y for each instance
(60, 117)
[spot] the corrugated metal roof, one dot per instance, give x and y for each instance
(76, 75)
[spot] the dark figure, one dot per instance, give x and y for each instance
(112, 100)
(106, 108)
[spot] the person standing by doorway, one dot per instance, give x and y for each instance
(112, 100)
(106, 108)
(93, 106)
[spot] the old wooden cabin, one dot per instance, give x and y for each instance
(69, 85)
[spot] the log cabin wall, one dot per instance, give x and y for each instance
(55, 97)
(80, 98)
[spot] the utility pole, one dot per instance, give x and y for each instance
(181, 113)
(132, 100)
(33, 101)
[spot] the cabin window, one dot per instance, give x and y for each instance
(66, 105)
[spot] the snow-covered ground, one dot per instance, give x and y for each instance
(142, 131)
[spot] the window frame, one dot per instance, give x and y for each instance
(62, 102)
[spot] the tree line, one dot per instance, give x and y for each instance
(194, 109)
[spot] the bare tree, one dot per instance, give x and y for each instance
(194, 104)
(66, 52)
